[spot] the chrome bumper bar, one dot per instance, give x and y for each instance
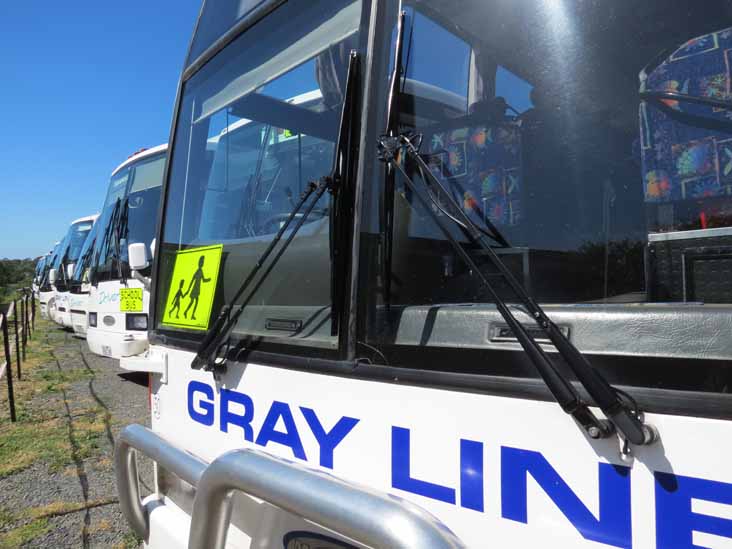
(369, 517)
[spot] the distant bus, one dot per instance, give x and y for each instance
(80, 286)
(117, 307)
(65, 264)
(46, 291)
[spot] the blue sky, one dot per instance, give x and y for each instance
(83, 84)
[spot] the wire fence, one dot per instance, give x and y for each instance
(18, 318)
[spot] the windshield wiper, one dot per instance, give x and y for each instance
(393, 149)
(627, 422)
(120, 234)
(218, 336)
(392, 129)
(106, 241)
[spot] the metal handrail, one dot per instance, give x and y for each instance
(141, 439)
(359, 513)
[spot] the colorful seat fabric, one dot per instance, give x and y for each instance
(681, 158)
(481, 165)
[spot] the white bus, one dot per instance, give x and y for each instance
(80, 285)
(63, 268)
(118, 297)
(46, 292)
(476, 294)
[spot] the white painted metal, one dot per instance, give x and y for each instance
(437, 421)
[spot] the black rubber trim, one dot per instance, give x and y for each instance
(229, 36)
(659, 401)
(78, 312)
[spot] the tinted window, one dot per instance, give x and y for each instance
(257, 123)
(543, 120)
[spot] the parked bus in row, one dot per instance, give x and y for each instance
(80, 285)
(63, 268)
(474, 292)
(38, 271)
(46, 291)
(118, 302)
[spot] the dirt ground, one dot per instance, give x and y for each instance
(57, 484)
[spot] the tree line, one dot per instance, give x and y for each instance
(15, 274)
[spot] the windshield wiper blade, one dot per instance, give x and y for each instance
(392, 129)
(627, 423)
(119, 234)
(343, 193)
(218, 335)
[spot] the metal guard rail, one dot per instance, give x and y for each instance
(364, 515)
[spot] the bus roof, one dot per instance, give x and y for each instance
(141, 155)
(91, 218)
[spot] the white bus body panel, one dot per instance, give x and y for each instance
(111, 338)
(78, 305)
(63, 301)
(44, 298)
(489, 467)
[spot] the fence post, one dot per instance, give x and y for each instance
(17, 342)
(28, 298)
(23, 323)
(8, 368)
(33, 316)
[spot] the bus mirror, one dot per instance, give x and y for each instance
(137, 254)
(52, 276)
(70, 270)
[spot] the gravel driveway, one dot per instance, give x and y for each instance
(57, 484)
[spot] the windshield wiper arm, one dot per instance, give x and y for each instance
(119, 234)
(218, 335)
(627, 422)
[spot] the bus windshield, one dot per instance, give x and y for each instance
(103, 260)
(600, 147)
(255, 125)
(81, 269)
(563, 152)
(140, 208)
(78, 235)
(129, 215)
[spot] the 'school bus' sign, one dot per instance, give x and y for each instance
(193, 287)
(130, 300)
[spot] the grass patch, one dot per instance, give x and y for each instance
(7, 517)
(42, 432)
(25, 442)
(24, 534)
(58, 508)
(129, 541)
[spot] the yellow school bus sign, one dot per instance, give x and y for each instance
(130, 300)
(193, 287)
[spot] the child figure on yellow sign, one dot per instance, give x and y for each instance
(194, 289)
(176, 299)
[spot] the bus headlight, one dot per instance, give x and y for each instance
(93, 320)
(136, 321)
